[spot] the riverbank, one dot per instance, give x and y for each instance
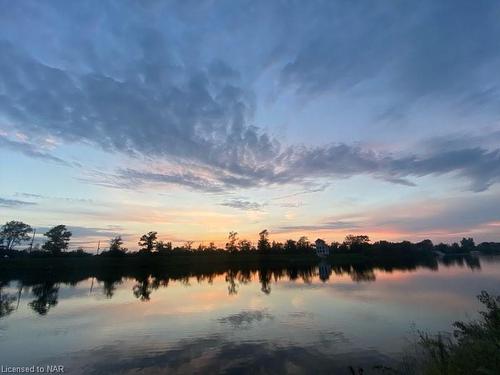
(160, 261)
(32, 270)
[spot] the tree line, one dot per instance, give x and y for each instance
(14, 233)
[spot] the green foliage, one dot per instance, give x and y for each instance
(58, 239)
(475, 348)
(13, 233)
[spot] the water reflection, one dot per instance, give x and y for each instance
(45, 287)
(7, 301)
(46, 295)
(252, 318)
(216, 354)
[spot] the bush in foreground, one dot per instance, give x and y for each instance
(473, 349)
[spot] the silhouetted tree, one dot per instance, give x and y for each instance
(13, 233)
(467, 244)
(290, 246)
(163, 247)
(425, 245)
(263, 245)
(148, 242)
(356, 243)
(231, 244)
(58, 239)
(489, 247)
(245, 246)
(303, 245)
(334, 246)
(276, 247)
(116, 246)
(442, 247)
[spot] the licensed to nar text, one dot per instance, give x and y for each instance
(45, 369)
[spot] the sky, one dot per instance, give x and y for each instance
(196, 118)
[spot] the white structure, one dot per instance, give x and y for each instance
(322, 249)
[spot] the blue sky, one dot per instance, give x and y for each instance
(194, 119)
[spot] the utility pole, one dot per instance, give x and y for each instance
(32, 239)
(98, 247)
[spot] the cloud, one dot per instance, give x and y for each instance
(243, 204)
(480, 166)
(30, 150)
(133, 179)
(181, 106)
(332, 225)
(302, 165)
(444, 219)
(106, 231)
(13, 203)
(67, 199)
(411, 50)
(456, 214)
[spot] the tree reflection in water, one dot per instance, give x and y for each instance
(46, 297)
(45, 284)
(7, 301)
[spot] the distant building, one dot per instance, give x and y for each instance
(322, 249)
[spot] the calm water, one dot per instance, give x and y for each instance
(267, 321)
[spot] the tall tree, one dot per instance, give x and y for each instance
(116, 246)
(163, 247)
(355, 240)
(13, 233)
(263, 244)
(232, 240)
(467, 244)
(58, 239)
(245, 246)
(148, 241)
(303, 244)
(290, 246)
(357, 243)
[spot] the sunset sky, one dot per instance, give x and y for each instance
(196, 118)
